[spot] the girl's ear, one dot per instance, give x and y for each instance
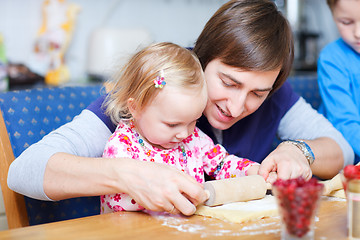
(132, 107)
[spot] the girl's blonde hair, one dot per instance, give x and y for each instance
(181, 69)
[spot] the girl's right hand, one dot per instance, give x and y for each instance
(159, 187)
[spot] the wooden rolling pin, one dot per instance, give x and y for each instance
(252, 187)
(332, 185)
(236, 189)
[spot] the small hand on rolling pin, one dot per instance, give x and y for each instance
(236, 189)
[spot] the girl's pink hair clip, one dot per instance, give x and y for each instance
(160, 80)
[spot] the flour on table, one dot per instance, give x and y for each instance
(213, 228)
(239, 212)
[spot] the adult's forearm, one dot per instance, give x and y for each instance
(85, 136)
(26, 173)
(328, 157)
(303, 122)
(68, 176)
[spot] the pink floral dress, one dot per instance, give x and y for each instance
(202, 155)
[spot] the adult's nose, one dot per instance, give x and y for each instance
(236, 105)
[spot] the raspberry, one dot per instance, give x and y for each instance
(298, 201)
(352, 172)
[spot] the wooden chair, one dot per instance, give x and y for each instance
(27, 116)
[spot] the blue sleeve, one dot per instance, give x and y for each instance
(97, 108)
(339, 84)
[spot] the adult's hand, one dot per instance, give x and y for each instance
(288, 161)
(159, 187)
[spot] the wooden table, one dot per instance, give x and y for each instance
(330, 224)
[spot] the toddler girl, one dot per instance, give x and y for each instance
(156, 101)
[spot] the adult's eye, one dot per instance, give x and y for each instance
(227, 83)
(259, 95)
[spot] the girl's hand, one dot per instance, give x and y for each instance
(159, 187)
(254, 170)
(287, 161)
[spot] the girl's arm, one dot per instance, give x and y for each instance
(233, 166)
(217, 162)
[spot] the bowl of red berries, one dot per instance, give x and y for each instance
(298, 202)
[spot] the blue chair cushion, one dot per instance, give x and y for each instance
(31, 114)
(307, 87)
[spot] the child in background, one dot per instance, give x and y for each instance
(156, 101)
(339, 73)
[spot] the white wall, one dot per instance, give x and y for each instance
(319, 19)
(178, 21)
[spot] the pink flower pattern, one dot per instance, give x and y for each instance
(111, 152)
(124, 139)
(202, 156)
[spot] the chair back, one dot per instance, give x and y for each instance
(26, 117)
(307, 87)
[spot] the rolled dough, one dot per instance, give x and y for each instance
(239, 212)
